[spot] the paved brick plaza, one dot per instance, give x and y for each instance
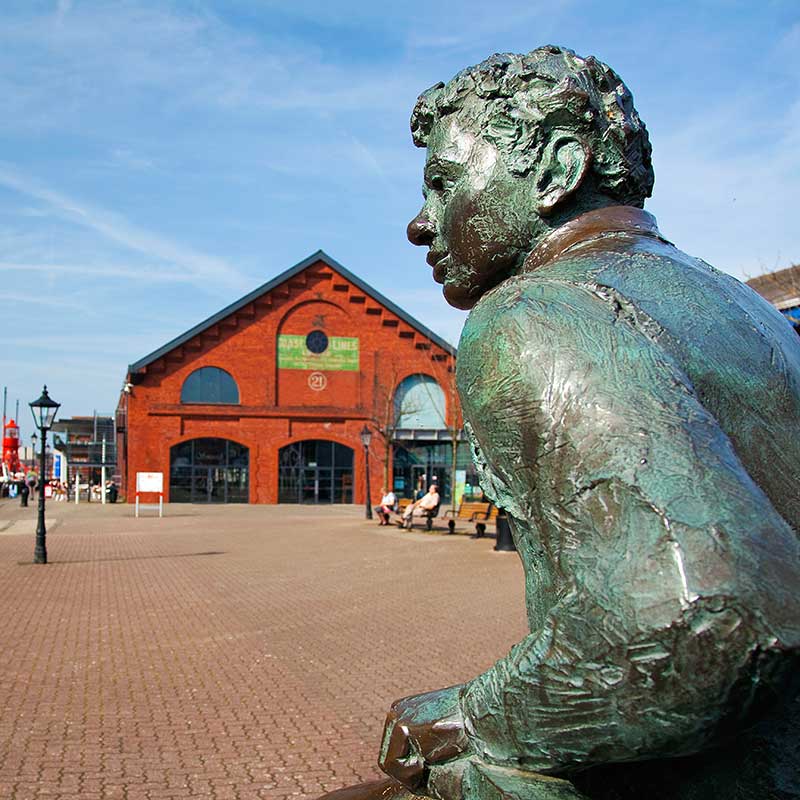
(229, 651)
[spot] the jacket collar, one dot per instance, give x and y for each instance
(588, 226)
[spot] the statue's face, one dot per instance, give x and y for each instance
(477, 220)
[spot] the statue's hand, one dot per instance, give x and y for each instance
(420, 731)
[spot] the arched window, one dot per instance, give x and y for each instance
(419, 403)
(210, 385)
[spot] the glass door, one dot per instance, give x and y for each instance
(237, 485)
(315, 471)
(209, 471)
(200, 480)
(324, 485)
(310, 485)
(217, 485)
(418, 479)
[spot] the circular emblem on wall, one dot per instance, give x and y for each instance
(317, 341)
(317, 381)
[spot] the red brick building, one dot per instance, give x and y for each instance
(264, 402)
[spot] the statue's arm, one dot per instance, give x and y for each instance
(641, 531)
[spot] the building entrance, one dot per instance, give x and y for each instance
(315, 471)
(209, 471)
(416, 465)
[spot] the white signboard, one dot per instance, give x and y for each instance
(150, 482)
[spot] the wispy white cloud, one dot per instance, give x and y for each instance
(105, 54)
(195, 265)
(31, 298)
(480, 24)
(105, 271)
(84, 343)
(726, 181)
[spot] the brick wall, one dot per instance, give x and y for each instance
(280, 406)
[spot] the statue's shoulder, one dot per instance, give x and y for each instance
(529, 308)
(524, 328)
(528, 295)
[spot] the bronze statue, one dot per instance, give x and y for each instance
(635, 412)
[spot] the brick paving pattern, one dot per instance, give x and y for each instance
(228, 652)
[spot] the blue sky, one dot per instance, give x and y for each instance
(160, 159)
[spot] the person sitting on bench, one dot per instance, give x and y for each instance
(386, 505)
(421, 507)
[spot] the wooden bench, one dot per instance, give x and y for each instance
(427, 515)
(402, 505)
(472, 511)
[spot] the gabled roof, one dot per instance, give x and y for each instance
(781, 288)
(320, 255)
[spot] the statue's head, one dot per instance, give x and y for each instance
(518, 145)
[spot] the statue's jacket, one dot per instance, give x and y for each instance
(636, 412)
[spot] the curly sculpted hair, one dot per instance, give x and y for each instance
(518, 101)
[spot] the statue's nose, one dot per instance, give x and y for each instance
(421, 230)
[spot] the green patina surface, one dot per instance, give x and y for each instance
(635, 412)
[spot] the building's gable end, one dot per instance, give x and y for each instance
(317, 266)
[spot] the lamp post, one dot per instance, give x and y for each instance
(44, 411)
(366, 438)
(34, 440)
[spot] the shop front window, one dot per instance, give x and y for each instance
(209, 471)
(315, 471)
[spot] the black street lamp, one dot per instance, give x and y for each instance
(366, 438)
(34, 440)
(44, 411)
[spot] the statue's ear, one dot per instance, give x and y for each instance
(561, 171)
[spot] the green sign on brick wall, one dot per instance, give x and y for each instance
(341, 354)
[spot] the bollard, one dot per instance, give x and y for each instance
(505, 541)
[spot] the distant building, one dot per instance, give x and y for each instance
(782, 289)
(83, 445)
(265, 401)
